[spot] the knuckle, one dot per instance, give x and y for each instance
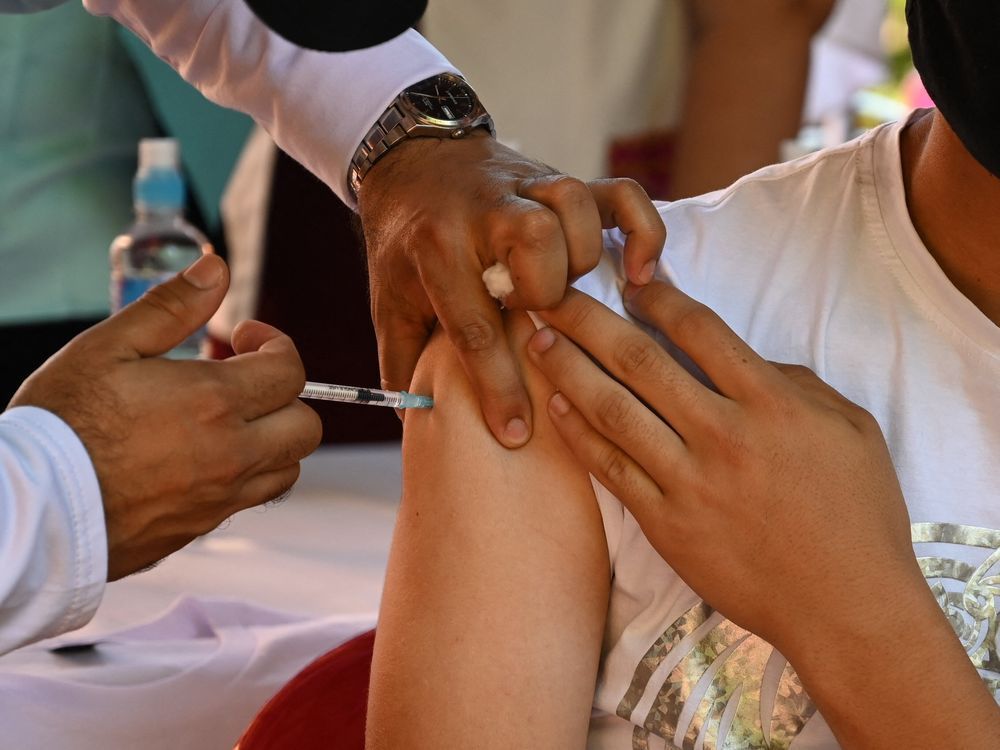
(627, 190)
(614, 412)
(615, 467)
(475, 336)
(213, 398)
(538, 226)
(693, 322)
(229, 469)
(425, 232)
(626, 187)
(543, 295)
(311, 431)
(291, 373)
(637, 358)
(578, 314)
(570, 191)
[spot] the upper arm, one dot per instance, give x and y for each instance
(497, 588)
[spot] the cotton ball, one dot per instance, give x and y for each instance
(498, 281)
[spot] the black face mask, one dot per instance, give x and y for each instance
(956, 50)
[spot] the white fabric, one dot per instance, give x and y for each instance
(563, 77)
(616, 72)
(813, 262)
(53, 548)
(847, 56)
(244, 213)
(317, 106)
(192, 678)
(307, 573)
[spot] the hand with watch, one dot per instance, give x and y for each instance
(441, 200)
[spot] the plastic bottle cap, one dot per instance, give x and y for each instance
(159, 153)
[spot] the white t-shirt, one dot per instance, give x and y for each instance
(813, 262)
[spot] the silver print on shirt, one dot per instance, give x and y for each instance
(715, 686)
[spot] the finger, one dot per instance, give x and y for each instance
(268, 373)
(637, 361)
(814, 387)
(251, 335)
(612, 466)
(474, 325)
(607, 405)
(282, 438)
(624, 204)
(402, 332)
(533, 247)
(263, 488)
(573, 203)
(168, 313)
(735, 369)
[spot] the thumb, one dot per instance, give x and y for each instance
(170, 312)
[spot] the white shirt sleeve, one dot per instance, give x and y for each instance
(316, 105)
(53, 544)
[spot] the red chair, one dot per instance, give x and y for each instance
(322, 707)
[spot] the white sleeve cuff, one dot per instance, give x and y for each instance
(316, 105)
(53, 542)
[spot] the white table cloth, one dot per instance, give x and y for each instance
(188, 652)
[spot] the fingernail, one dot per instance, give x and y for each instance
(542, 340)
(646, 274)
(516, 432)
(204, 273)
(558, 404)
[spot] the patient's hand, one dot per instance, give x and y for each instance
(437, 213)
(765, 495)
(775, 499)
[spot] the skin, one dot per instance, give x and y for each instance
(496, 593)
(954, 203)
(815, 482)
(812, 472)
(749, 66)
(178, 446)
(431, 233)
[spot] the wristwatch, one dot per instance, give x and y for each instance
(442, 106)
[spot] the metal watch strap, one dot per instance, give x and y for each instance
(390, 128)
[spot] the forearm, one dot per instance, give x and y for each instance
(494, 605)
(317, 106)
(892, 673)
(744, 94)
(53, 548)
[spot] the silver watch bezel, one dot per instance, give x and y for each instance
(402, 119)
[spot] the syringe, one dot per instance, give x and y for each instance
(371, 396)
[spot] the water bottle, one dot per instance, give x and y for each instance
(160, 243)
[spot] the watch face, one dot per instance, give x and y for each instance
(444, 97)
